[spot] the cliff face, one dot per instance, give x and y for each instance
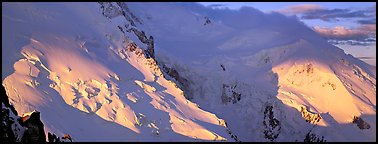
(11, 130)
(26, 129)
(35, 132)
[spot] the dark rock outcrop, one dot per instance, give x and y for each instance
(11, 131)
(207, 21)
(35, 132)
(150, 53)
(310, 137)
(183, 83)
(127, 12)
(150, 47)
(67, 138)
(7, 135)
(132, 47)
(310, 117)
(110, 11)
(360, 123)
(229, 94)
(26, 129)
(52, 137)
(271, 124)
(4, 100)
(223, 67)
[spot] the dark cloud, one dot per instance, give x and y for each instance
(367, 21)
(335, 14)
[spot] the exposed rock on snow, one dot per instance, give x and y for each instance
(229, 94)
(35, 132)
(11, 130)
(310, 117)
(271, 124)
(310, 137)
(360, 123)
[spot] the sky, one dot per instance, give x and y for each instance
(348, 25)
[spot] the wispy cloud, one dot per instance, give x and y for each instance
(313, 11)
(366, 42)
(218, 6)
(334, 14)
(366, 58)
(368, 21)
(302, 8)
(370, 28)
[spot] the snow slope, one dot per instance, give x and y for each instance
(245, 61)
(268, 76)
(78, 70)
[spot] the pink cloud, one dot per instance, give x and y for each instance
(302, 8)
(369, 28)
(341, 32)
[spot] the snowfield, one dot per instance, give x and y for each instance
(181, 72)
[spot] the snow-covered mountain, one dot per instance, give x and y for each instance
(182, 72)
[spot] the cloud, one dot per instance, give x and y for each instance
(367, 21)
(218, 6)
(364, 34)
(369, 28)
(366, 58)
(302, 8)
(313, 11)
(342, 33)
(372, 10)
(334, 14)
(366, 42)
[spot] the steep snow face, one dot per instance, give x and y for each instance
(91, 81)
(270, 77)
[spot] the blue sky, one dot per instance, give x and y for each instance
(355, 20)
